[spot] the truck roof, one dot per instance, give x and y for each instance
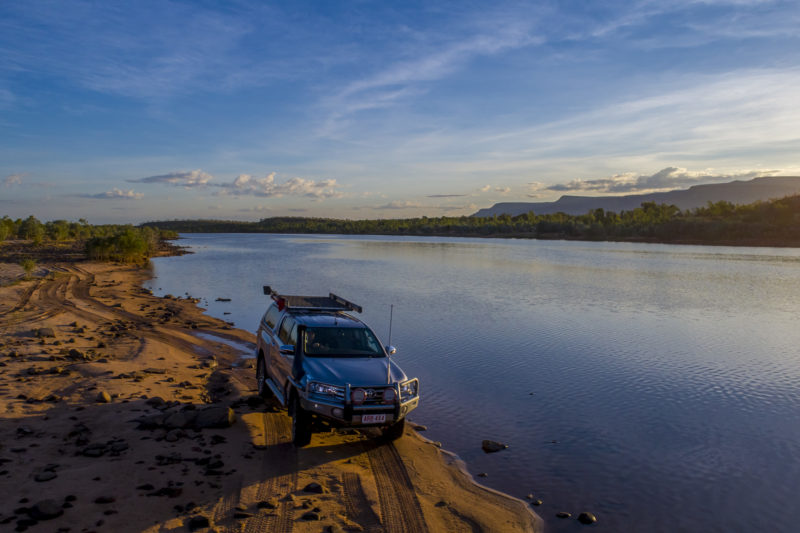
(297, 303)
(327, 319)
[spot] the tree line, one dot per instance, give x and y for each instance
(105, 242)
(774, 223)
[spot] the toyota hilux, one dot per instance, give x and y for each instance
(328, 367)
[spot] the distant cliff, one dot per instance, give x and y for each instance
(736, 192)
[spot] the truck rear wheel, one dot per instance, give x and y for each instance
(301, 424)
(261, 376)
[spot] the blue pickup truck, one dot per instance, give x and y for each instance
(325, 365)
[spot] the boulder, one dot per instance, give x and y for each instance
(587, 518)
(173, 435)
(197, 522)
(179, 420)
(77, 355)
(118, 446)
(103, 397)
(491, 446)
(156, 402)
(272, 503)
(44, 476)
(46, 510)
(94, 450)
(151, 422)
(215, 417)
(314, 488)
(45, 332)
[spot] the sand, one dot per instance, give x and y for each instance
(117, 416)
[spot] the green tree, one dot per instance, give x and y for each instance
(6, 228)
(31, 229)
(58, 230)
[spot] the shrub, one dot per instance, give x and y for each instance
(28, 265)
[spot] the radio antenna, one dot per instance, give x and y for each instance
(391, 315)
(389, 361)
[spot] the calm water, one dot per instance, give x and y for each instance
(656, 386)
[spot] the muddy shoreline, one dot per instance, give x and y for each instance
(118, 416)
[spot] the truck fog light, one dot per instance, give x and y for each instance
(337, 412)
(389, 395)
(358, 396)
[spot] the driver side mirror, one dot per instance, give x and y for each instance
(391, 350)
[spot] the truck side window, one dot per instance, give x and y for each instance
(271, 317)
(285, 334)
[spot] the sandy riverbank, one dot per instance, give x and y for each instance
(116, 416)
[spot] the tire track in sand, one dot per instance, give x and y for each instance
(36, 296)
(400, 509)
(23, 300)
(357, 506)
(280, 453)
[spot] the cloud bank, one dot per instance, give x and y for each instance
(267, 187)
(192, 178)
(115, 194)
(248, 185)
(665, 179)
(399, 205)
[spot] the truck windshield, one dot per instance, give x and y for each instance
(341, 342)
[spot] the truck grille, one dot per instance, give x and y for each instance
(374, 396)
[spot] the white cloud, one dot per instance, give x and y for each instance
(399, 205)
(502, 190)
(13, 179)
(485, 188)
(248, 185)
(192, 178)
(245, 184)
(448, 208)
(256, 209)
(116, 194)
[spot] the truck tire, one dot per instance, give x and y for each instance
(261, 376)
(301, 424)
(395, 431)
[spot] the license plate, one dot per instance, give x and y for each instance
(373, 419)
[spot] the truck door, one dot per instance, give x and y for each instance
(282, 362)
(267, 336)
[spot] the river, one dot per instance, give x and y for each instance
(656, 386)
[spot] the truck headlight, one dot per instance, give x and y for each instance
(409, 389)
(326, 390)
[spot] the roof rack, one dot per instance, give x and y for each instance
(294, 302)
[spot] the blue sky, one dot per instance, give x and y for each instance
(136, 111)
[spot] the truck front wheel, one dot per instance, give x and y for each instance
(301, 424)
(395, 431)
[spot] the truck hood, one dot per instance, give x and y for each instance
(358, 371)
